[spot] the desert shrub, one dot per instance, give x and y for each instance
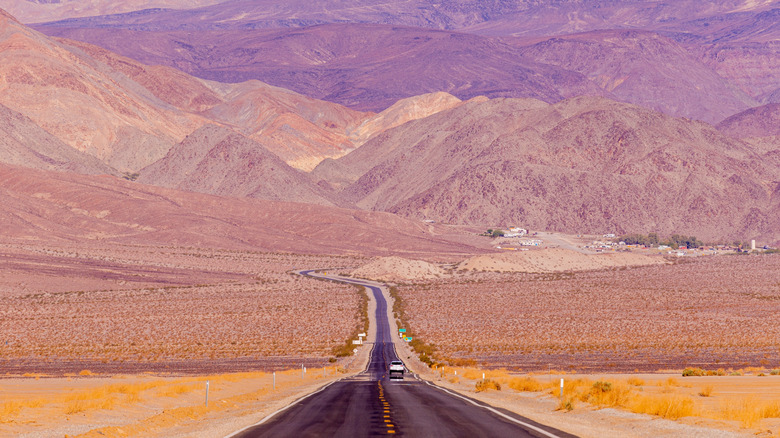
(601, 387)
(775, 372)
(688, 372)
(566, 404)
(608, 394)
(706, 391)
(635, 381)
(525, 384)
(487, 384)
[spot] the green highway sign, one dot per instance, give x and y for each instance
(402, 330)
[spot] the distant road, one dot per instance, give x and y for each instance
(370, 404)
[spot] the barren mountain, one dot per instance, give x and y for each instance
(23, 143)
(582, 165)
(405, 110)
(549, 17)
(646, 69)
(83, 102)
(65, 207)
(762, 121)
(366, 67)
(220, 161)
(38, 11)
(300, 130)
(742, 47)
(129, 115)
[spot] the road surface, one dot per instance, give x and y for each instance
(370, 404)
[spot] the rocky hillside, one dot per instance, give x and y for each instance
(582, 165)
(220, 161)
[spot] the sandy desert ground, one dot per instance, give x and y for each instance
(712, 312)
(136, 309)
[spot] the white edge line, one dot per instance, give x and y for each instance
(487, 407)
(491, 409)
(272, 414)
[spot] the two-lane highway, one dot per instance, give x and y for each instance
(371, 404)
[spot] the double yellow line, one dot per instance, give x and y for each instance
(387, 421)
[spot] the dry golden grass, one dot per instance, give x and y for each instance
(486, 385)
(635, 381)
(671, 407)
(667, 398)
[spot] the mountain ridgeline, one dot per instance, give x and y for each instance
(467, 120)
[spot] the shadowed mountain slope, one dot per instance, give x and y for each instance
(366, 67)
(582, 165)
(496, 17)
(762, 121)
(646, 69)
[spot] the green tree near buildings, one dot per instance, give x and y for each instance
(675, 240)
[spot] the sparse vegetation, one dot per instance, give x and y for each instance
(674, 241)
(487, 384)
(204, 305)
(608, 320)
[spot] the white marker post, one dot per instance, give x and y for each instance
(561, 388)
(207, 393)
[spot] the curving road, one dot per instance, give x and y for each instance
(370, 404)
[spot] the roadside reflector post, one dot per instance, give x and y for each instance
(561, 388)
(274, 380)
(483, 376)
(207, 393)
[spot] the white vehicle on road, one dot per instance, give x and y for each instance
(397, 369)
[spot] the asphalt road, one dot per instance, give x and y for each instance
(370, 404)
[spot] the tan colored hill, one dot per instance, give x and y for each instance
(85, 103)
(23, 143)
(554, 260)
(54, 207)
(220, 161)
(585, 165)
(398, 269)
(129, 115)
(411, 108)
(300, 130)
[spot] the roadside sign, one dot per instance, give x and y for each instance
(362, 335)
(408, 339)
(402, 330)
